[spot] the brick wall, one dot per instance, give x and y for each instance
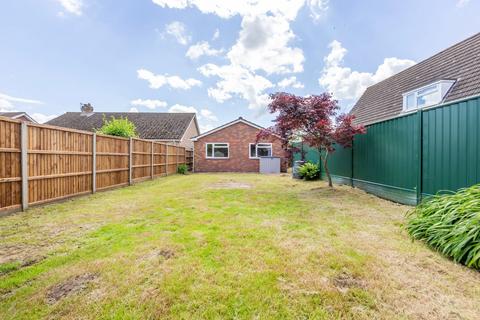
(239, 136)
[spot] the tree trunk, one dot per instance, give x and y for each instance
(325, 165)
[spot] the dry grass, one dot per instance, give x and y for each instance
(227, 246)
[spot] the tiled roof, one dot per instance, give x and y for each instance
(150, 125)
(460, 62)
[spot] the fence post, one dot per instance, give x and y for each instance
(130, 157)
(166, 159)
(352, 166)
(24, 163)
(94, 163)
(151, 161)
(419, 154)
(176, 152)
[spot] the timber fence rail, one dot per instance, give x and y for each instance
(41, 163)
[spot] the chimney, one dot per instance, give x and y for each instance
(86, 109)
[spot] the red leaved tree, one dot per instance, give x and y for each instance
(314, 120)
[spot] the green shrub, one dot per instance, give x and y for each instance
(120, 127)
(182, 169)
(450, 224)
(309, 171)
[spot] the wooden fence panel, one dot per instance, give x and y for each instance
(46, 163)
(142, 155)
(159, 159)
(10, 165)
(171, 159)
(189, 159)
(59, 163)
(112, 161)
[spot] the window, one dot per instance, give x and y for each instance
(260, 150)
(217, 150)
(426, 96)
(410, 101)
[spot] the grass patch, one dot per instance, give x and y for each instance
(224, 246)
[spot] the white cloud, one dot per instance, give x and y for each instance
(206, 127)
(318, 8)
(149, 103)
(202, 49)
(216, 35)
(72, 6)
(182, 109)
(290, 82)
(462, 3)
(235, 80)
(7, 103)
(229, 8)
(157, 81)
(207, 115)
(133, 109)
(42, 118)
(179, 31)
(346, 83)
(263, 45)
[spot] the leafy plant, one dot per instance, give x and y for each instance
(450, 224)
(120, 127)
(182, 169)
(309, 171)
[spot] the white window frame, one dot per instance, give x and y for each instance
(213, 149)
(256, 149)
(442, 87)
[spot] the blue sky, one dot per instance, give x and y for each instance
(218, 58)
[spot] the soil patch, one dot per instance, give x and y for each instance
(166, 253)
(345, 281)
(163, 254)
(69, 287)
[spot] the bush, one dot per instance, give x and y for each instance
(182, 169)
(450, 224)
(119, 127)
(309, 171)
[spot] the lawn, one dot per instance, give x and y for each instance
(226, 246)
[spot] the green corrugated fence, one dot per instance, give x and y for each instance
(415, 155)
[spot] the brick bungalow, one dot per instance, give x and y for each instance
(231, 148)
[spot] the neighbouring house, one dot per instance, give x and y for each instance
(232, 148)
(174, 128)
(449, 75)
(23, 116)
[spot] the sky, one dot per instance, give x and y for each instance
(218, 58)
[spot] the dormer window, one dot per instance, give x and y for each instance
(426, 96)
